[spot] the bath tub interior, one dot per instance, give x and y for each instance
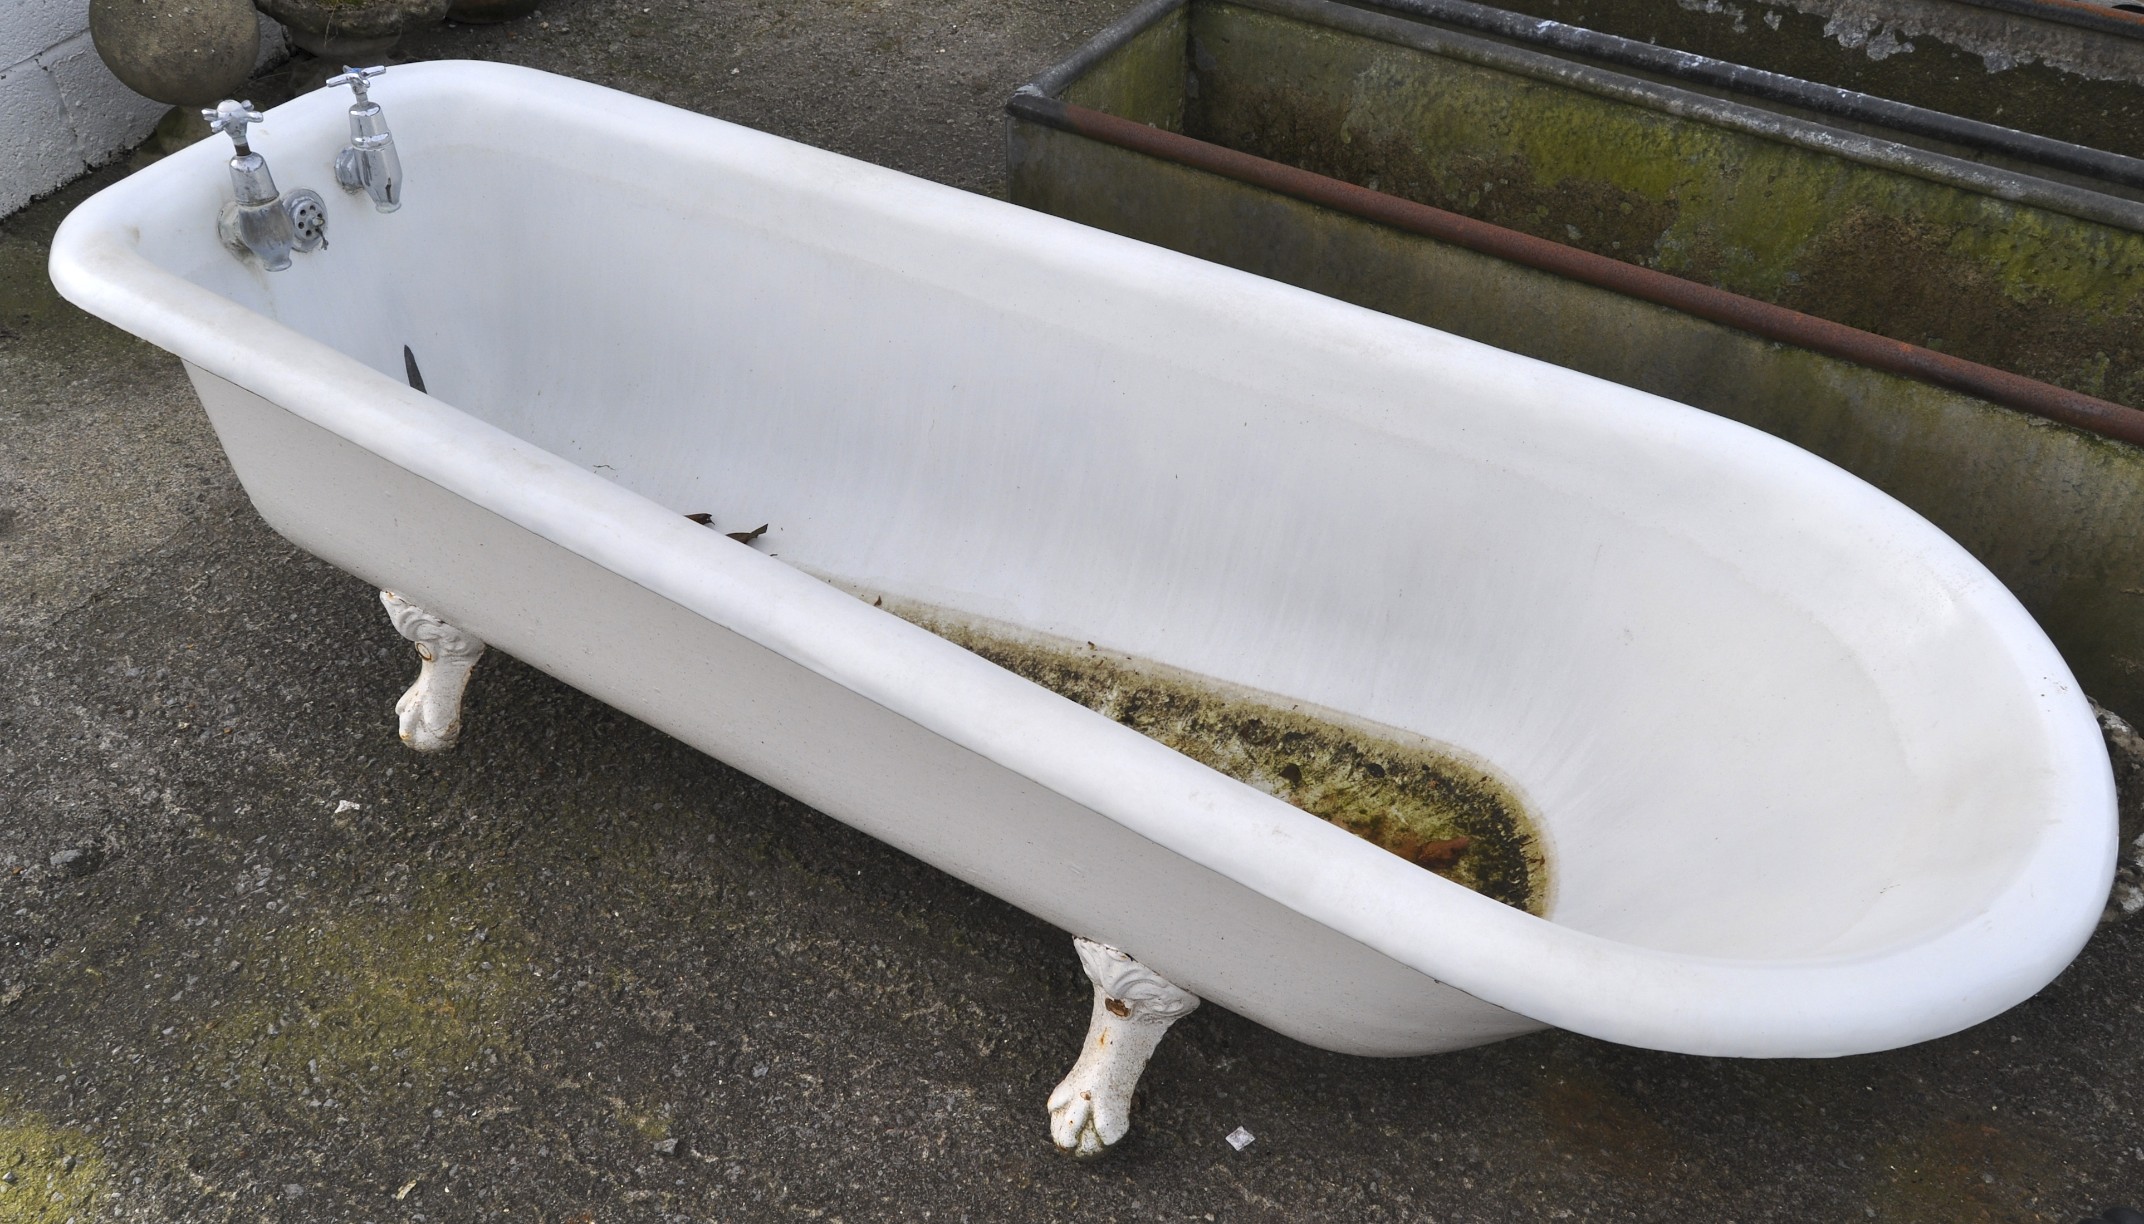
(1755, 716)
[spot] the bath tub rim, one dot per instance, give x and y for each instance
(1950, 978)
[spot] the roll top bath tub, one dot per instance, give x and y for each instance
(1396, 692)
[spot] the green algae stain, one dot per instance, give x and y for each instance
(1423, 801)
(370, 1009)
(48, 1174)
(651, 1124)
(1144, 80)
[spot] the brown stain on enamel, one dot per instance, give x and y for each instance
(1424, 801)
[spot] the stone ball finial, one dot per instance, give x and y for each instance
(352, 31)
(182, 52)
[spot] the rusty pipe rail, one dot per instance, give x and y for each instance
(1775, 323)
(2101, 17)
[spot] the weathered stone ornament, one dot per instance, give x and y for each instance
(185, 52)
(431, 711)
(1133, 1007)
(484, 12)
(351, 31)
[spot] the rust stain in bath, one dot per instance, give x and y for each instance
(1424, 801)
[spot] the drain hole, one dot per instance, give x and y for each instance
(310, 219)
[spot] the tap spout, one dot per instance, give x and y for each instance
(369, 163)
(260, 220)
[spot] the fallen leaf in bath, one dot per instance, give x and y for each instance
(409, 367)
(746, 537)
(703, 518)
(1430, 854)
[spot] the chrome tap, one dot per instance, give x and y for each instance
(262, 221)
(370, 163)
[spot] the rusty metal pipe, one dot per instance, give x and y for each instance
(1775, 323)
(2100, 17)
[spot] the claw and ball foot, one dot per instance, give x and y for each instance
(431, 711)
(1133, 1006)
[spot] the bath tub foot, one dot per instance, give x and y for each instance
(1133, 1006)
(431, 711)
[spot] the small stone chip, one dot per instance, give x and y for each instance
(78, 861)
(1240, 1138)
(667, 1147)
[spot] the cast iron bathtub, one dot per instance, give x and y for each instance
(1803, 778)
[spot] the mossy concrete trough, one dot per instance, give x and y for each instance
(2068, 69)
(1690, 233)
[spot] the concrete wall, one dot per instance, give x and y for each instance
(61, 110)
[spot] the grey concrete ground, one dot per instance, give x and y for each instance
(506, 980)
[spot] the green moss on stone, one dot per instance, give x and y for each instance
(376, 1007)
(48, 1174)
(2021, 287)
(1144, 80)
